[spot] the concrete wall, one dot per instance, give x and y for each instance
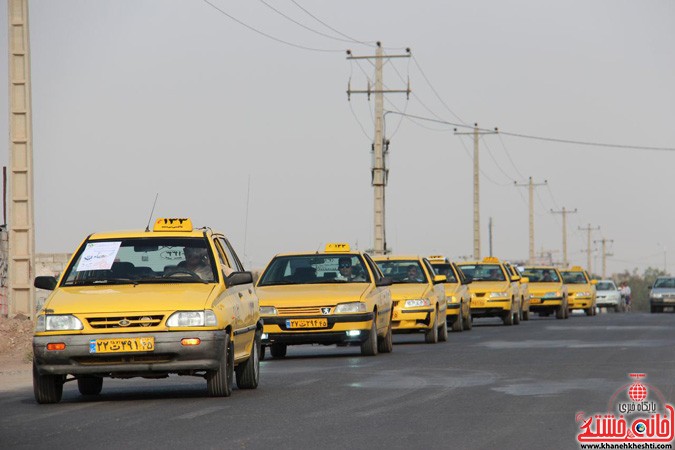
(4, 256)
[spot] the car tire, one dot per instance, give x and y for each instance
(278, 350)
(47, 388)
(385, 344)
(589, 311)
(89, 385)
(219, 381)
(369, 346)
(516, 318)
(468, 321)
(443, 330)
(458, 323)
(526, 314)
(431, 335)
(508, 318)
(262, 352)
(248, 373)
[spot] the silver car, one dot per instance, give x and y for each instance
(609, 296)
(662, 294)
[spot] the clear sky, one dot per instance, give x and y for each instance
(256, 138)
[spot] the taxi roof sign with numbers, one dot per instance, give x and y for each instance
(337, 247)
(172, 224)
(491, 259)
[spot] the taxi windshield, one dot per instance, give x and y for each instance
(665, 283)
(483, 272)
(606, 286)
(541, 275)
(445, 269)
(315, 269)
(141, 260)
(574, 278)
(403, 271)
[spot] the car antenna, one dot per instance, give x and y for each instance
(147, 228)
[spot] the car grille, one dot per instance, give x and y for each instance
(126, 359)
(100, 323)
(301, 310)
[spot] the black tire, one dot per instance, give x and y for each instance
(443, 330)
(385, 344)
(458, 323)
(468, 322)
(369, 346)
(560, 312)
(90, 385)
(278, 350)
(589, 311)
(262, 352)
(567, 310)
(248, 373)
(508, 318)
(526, 314)
(219, 381)
(47, 388)
(516, 318)
(431, 335)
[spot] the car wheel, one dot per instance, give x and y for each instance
(560, 312)
(47, 388)
(443, 330)
(262, 352)
(219, 381)
(516, 318)
(589, 311)
(468, 322)
(431, 335)
(526, 314)
(90, 385)
(385, 344)
(369, 346)
(508, 318)
(248, 373)
(278, 350)
(458, 323)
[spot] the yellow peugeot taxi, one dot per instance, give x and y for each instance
(493, 294)
(456, 292)
(580, 289)
(523, 288)
(420, 302)
(174, 300)
(549, 293)
(337, 296)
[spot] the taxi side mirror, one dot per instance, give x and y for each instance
(594, 282)
(440, 279)
(45, 282)
(524, 280)
(238, 278)
(516, 278)
(384, 281)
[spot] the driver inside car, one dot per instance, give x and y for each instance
(197, 261)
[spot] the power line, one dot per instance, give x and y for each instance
(269, 36)
(434, 90)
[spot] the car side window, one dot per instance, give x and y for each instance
(234, 262)
(373, 268)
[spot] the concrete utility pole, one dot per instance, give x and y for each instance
(589, 229)
(531, 185)
(564, 213)
(476, 186)
(490, 235)
(604, 255)
(379, 171)
(21, 270)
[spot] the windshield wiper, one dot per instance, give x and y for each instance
(92, 282)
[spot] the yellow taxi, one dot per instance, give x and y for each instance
(580, 289)
(174, 300)
(493, 294)
(549, 293)
(420, 303)
(523, 288)
(337, 296)
(456, 292)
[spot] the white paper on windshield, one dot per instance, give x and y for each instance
(98, 256)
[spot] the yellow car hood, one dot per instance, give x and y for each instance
(540, 288)
(574, 288)
(405, 291)
(481, 287)
(129, 298)
(311, 294)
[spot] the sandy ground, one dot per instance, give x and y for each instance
(15, 353)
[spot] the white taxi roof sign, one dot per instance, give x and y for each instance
(172, 224)
(337, 247)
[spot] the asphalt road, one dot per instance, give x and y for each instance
(494, 387)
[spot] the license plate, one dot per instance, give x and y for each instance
(307, 323)
(120, 345)
(535, 300)
(478, 303)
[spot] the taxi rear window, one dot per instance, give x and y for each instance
(141, 260)
(315, 269)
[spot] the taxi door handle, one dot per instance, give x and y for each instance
(240, 295)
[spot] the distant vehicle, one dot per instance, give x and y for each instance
(609, 296)
(549, 293)
(523, 288)
(420, 302)
(174, 300)
(662, 294)
(456, 291)
(580, 289)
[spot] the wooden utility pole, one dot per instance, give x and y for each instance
(21, 270)
(476, 185)
(604, 255)
(531, 185)
(379, 171)
(589, 229)
(564, 213)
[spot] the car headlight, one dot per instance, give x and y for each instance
(352, 307)
(192, 319)
(553, 294)
(268, 311)
(64, 322)
(417, 302)
(657, 295)
(583, 294)
(498, 294)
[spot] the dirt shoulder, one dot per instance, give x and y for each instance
(16, 352)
